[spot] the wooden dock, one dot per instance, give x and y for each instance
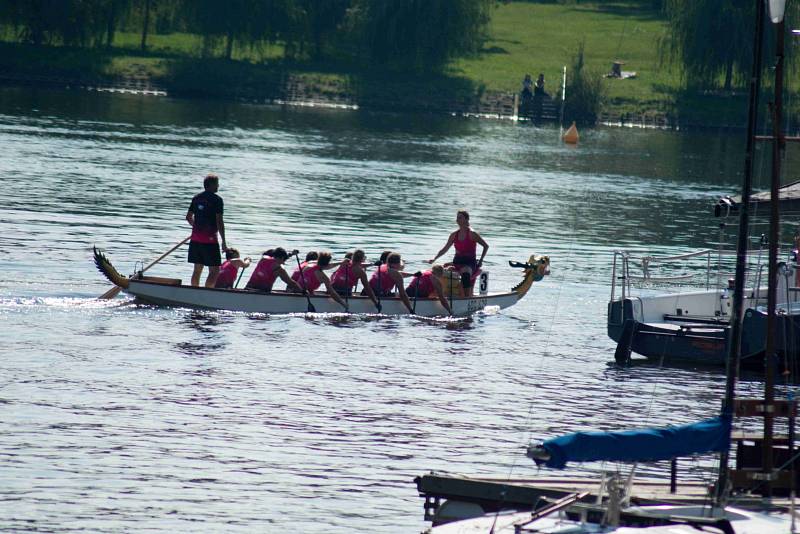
(494, 494)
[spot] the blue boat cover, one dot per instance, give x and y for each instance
(644, 445)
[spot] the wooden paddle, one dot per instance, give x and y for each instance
(111, 293)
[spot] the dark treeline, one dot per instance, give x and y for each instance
(417, 34)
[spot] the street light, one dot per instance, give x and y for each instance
(776, 10)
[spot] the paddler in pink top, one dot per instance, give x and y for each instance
(465, 239)
(428, 282)
(313, 276)
(269, 269)
(350, 272)
(230, 268)
(311, 256)
(388, 277)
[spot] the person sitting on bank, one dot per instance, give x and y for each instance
(205, 218)
(311, 256)
(527, 86)
(428, 282)
(465, 240)
(349, 273)
(269, 269)
(313, 276)
(538, 89)
(230, 268)
(389, 277)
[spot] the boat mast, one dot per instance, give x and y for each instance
(735, 339)
(774, 223)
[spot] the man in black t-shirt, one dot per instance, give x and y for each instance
(205, 217)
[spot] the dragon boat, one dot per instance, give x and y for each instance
(172, 292)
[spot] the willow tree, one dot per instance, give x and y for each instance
(421, 34)
(710, 39)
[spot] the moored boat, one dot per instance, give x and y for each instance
(172, 292)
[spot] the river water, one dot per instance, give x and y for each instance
(118, 416)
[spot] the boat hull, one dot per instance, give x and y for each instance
(280, 302)
(702, 341)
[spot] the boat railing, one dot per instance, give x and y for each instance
(622, 263)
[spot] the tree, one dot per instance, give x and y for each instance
(421, 34)
(709, 37)
(320, 20)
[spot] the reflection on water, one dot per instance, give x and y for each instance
(239, 421)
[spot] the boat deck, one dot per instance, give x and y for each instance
(494, 494)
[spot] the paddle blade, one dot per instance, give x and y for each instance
(111, 293)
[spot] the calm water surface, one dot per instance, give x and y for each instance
(117, 416)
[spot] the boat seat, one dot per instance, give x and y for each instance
(696, 319)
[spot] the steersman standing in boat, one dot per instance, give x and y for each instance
(205, 218)
(465, 261)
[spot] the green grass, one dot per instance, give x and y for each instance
(533, 38)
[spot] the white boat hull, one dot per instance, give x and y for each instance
(281, 302)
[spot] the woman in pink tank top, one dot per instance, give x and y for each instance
(427, 283)
(350, 273)
(465, 240)
(311, 256)
(313, 276)
(230, 268)
(269, 269)
(388, 277)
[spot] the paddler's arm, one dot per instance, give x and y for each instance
(322, 277)
(478, 239)
(221, 230)
(289, 282)
(368, 288)
(445, 248)
(401, 290)
(437, 285)
(241, 264)
(190, 218)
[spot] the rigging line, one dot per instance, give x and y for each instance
(548, 336)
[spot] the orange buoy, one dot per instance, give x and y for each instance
(571, 135)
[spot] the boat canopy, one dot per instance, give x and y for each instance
(642, 445)
(789, 196)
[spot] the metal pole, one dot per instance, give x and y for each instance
(735, 335)
(772, 290)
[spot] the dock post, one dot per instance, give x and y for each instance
(673, 475)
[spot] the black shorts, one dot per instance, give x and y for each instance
(344, 291)
(466, 261)
(205, 254)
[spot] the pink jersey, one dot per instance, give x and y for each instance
(344, 277)
(309, 278)
(465, 247)
(227, 275)
(297, 272)
(422, 286)
(381, 281)
(264, 274)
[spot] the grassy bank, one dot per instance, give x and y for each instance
(526, 37)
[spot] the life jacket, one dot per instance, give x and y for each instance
(227, 275)
(264, 274)
(299, 271)
(421, 286)
(309, 278)
(344, 277)
(381, 281)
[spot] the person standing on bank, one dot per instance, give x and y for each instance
(205, 218)
(465, 240)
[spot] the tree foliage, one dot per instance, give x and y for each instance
(420, 34)
(407, 34)
(713, 39)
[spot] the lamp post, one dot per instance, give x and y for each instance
(776, 12)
